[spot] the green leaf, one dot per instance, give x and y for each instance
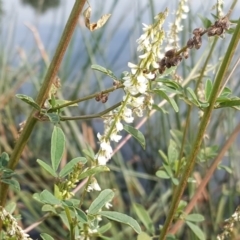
(12, 183)
(47, 167)
(144, 217)
(175, 181)
(59, 102)
(28, 100)
(49, 198)
(194, 97)
(163, 155)
(37, 197)
(168, 170)
(104, 228)
(45, 236)
(53, 117)
(208, 89)
(229, 103)
(226, 92)
(196, 230)
(81, 216)
(57, 147)
(136, 134)
(104, 70)
(92, 171)
(104, 197)
(48, 208)
(122, 218)
(206, 22)
(169, 99)
(171, 237)
(170, 83)
(11, 206)
(167, 89)
(172, 152)
(143, 236)
(4, 158)
(160, 109)
(194, 217)
(162, 174)
(70, 165)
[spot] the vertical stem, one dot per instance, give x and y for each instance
(203, 125)
(43, 93)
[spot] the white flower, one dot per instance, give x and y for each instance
(115, 137)
(137, 102)
(93, 186)
(108, 205)
(127, 115)
(119, 126)
(105, 146)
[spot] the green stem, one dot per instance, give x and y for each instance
(190, 106)
(203, 125)
(71, 225)
(43, 93)
(85, 98)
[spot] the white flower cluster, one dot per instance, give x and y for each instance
(11, 226)
(136, 85)
(176, 27)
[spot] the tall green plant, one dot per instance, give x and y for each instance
(146, 79)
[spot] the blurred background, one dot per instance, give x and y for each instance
(29, 33)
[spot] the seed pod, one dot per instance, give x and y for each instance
(162, 63)
(197, 41)
(212, 32)
(98, 98)
(104, 98)
(185, 54)
(219, 31)
(198, 31)
(168, 65)
(190, 43)
(161, 70)
(170, 53)
(223, 23)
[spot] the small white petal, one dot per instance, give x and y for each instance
(119, 126)
(131, 65)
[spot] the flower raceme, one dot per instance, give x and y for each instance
(137, 88)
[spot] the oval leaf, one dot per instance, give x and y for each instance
(197, 231)
(47, 197)
(104, 197)
(45, 236)
(69, 166)
(57, 147)
(194, 217)
(136, 134)
(81, 216)
(169, 99)
(122, 218)
(208, 89)
(46, 167)
(12, 183)
(104, 70)
(28, 100)
(143, 236)
(162, 174)
(53, 117)
(144, 217)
